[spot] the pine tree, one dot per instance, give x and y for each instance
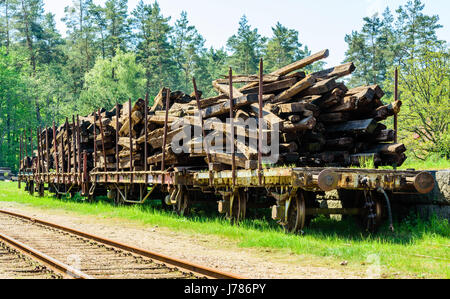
(153, 47)
(417, 29)
(7, 8)
(118, 30)
(188, 47)
(246, 47)
(283, 48)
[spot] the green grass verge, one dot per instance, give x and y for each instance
(432, 163)
(418, 248)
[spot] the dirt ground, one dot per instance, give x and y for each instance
(210, 251)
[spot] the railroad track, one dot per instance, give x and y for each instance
(76, 254)
(15, 264)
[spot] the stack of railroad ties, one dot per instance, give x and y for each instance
(321, 123)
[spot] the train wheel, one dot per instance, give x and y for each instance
(31, 188)
(310, 202)
(183, 205)
(296, 215)
(239, 207)
(372, 211)
(41, 190)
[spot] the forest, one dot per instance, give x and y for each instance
(110, 54)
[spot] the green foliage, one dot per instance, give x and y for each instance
(424, 90)
(246, 47)
(102, 90)
(387, 40)
(282, 48)
(153, 46)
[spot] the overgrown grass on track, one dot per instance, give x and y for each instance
(417, 249)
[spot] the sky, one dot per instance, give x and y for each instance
(322, 24)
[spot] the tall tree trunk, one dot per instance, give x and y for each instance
(32, 55)
(7, 25)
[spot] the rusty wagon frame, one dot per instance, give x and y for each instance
(290, 192)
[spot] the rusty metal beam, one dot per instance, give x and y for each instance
(146, 132)
(74, 144)
(41, 147)
(261, 120)
(38, 162)
(233, 151)
(62, 159)
(166, 119)
(20, 160)
(130, 120)
(396, 99)
(117, 138)
(47, 153)
(56, 152)
(79, 147)
(85, 174)
(95, 142)
(102, 136)
(31, 147)
(68, 146)
(205, 143)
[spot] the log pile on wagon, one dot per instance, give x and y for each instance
(321, 122)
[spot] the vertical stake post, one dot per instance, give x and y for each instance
(47, 154)
(130, 121)
(95, 141)
(56, 153)
(31, 149)
(20, 160)
(38, 161)
(166, 119)
(396, 99)
(146, 135)
(85, 174)
(41, 149)
(79, 148)
(69, 150)
(102, 135)
(117, 140)
(233, 151)
(62, 159)
(205, 143)
(261, 120)
(74, 144)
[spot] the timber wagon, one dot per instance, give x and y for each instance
(186, 149)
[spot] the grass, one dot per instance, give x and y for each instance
(417, 249)
(432, 163)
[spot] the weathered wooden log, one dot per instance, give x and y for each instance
(337, 117)
(385, 136)
(366, 126)
(321, 87)
(224, 108)
(388, 148)
(304, 125)
(340, 143)
(225, 89)
(273, 87)
(294, 90)
(336, 72)
(383, 112)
